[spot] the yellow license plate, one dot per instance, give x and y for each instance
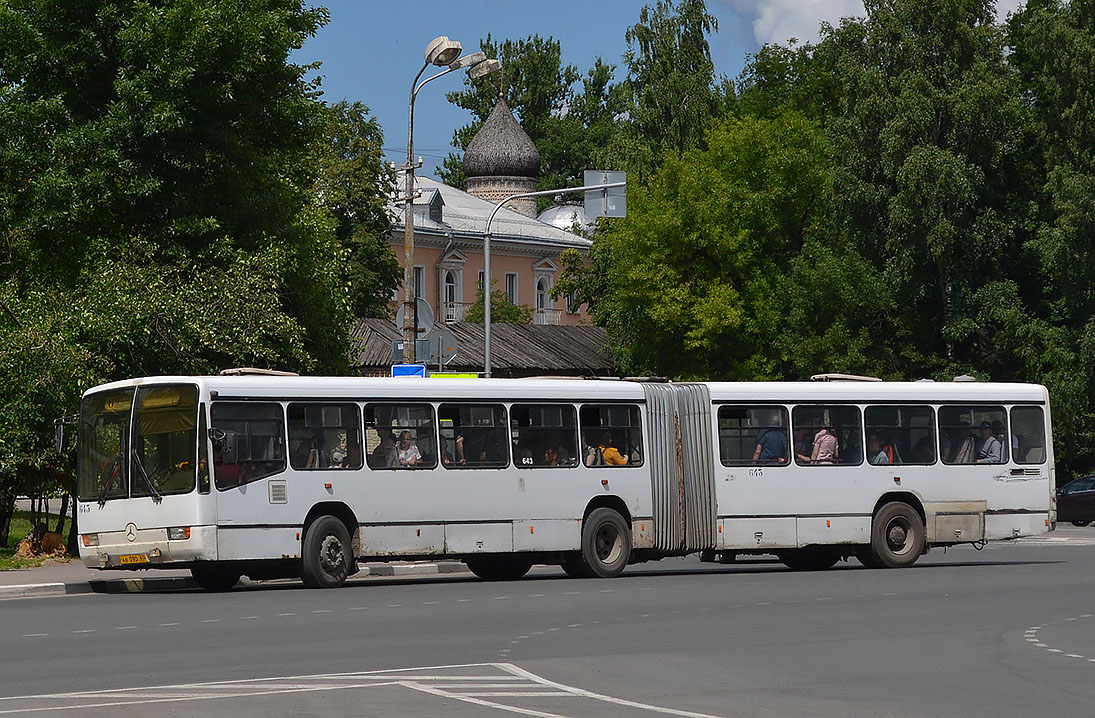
(134, 558)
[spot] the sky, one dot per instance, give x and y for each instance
(371, 49)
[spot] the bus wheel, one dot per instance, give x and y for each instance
(325, 556)
(1081, 524)
(606, 544)
(215, 578)
(897, 535)
(812, 558)
(498, 568)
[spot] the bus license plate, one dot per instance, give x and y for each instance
(134, 558)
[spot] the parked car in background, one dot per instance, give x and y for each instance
(1076, 501)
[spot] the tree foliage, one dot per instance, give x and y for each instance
(173, 199)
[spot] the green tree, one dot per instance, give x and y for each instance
(354, 185)
(162, 207)
(688, 283)
(501, 309)
(674, 94)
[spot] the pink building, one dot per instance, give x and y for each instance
(449, 226)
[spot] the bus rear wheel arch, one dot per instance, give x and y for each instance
(897, 537)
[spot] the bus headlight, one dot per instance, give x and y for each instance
(90, 539)
(178, 533)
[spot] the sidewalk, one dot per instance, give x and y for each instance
(66, 579)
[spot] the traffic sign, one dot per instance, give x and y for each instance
(408, 370)
(608, 202)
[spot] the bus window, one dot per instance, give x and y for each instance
(834, 431)
(1028, 435)
(611, 435)
(165, 442)
(544, 435)
(753, 436)
(973, 434)
(104, 438)
(248, 442)
(324, 436)
(473, 435)
(900, 434)
(400, 436)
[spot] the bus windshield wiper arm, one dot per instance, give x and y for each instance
(115, 463)
(156, 496)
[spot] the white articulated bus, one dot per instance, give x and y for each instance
(278, 476)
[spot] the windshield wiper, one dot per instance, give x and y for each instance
(157, 497)
(115, 464)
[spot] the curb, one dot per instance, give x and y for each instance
(175, 583)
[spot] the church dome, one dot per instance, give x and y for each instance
(501, 148)
(565, 216)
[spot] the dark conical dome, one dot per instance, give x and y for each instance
(501, 148)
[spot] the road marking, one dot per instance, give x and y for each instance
(1032, 637)
(34, 635)
(499, 686)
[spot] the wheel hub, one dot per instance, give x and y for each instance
(331, 555)
(897, 536)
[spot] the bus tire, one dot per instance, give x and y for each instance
(811, 558)
(606, 543)
(1081, 524)
(498, 568)
(326, 554)
(215, 578)
(897, 535)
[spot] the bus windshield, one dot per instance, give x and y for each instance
(157, 458)
(104, 434)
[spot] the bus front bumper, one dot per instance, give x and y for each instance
(147, 548)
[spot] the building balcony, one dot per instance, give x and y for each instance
(546, 316)
(454, 311)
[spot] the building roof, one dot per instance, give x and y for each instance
(466, 215)
(516, 349)
(502, 148)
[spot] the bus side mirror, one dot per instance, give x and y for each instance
(59, 431)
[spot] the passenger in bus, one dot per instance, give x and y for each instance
(386, 454)
(875, 453)
(924, 452)
(408, 454)
(803, 445)
(480, 446)
(611, 454)
(771, 447)
(989, 449)
(591, 454)
(317, 454)
(999, 433)
(965, 445)
(826, 449)
(551, 456)
(851, 452)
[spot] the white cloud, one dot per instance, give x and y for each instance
(777, 21)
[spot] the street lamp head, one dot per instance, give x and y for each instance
(442, 51)
(472, 58)
(484, 68)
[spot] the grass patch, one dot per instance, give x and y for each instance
(20, 527)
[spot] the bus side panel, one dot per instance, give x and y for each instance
(402, 540)
(748, 532)
(1005, 526)
(830, 530)
(478, 538)
(240, 543)
(547, 535)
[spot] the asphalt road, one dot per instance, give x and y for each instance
(1007, 631)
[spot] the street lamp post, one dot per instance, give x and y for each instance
(486, 254)
(440, 52)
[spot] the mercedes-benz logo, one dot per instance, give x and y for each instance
(131, 532)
